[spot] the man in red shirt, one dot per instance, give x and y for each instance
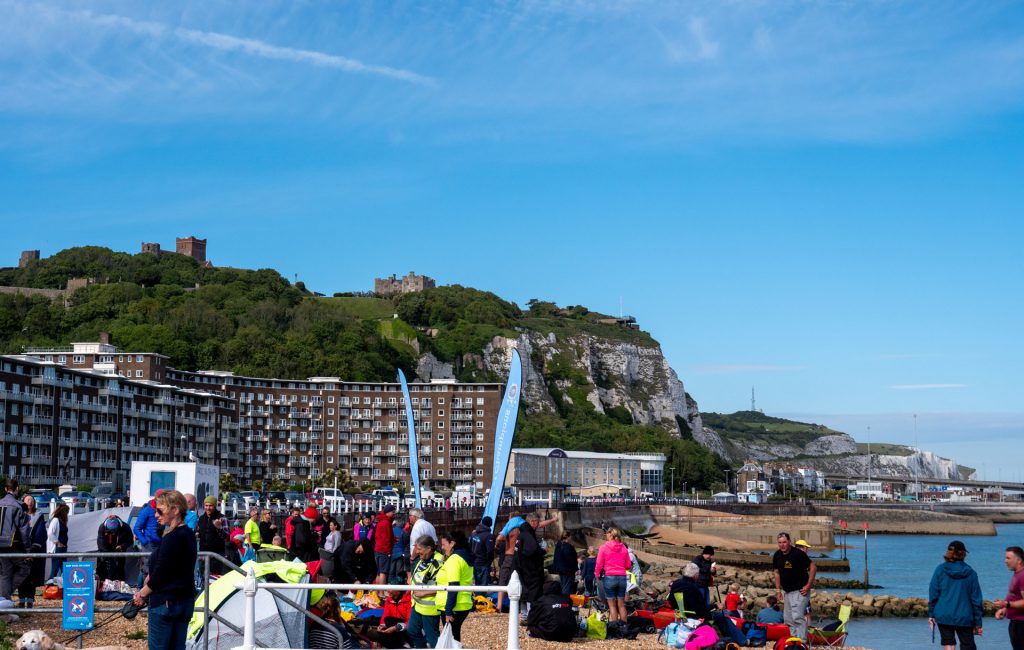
(1012, 607)
(383, 543)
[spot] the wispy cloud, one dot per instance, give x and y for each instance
(230, 43)
(738, 368)
(926, 386)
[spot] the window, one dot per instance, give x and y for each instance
(440, 425)
(330, 423)
(330, 399)
(479, 413)
(440, 472)
(440, 413)
(78, 358)
(440, 400)
(479, 461)
(138, 358)
(479, 472)
(440, 436)
(330, 411)
(440, 449)
(480, 401)
(479, 448)
(480, 425)
(138, 373)
(120, 359)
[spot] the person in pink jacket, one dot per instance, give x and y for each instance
(613, 563)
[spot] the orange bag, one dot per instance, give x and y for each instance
(53, 592)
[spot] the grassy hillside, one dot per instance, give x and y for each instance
(754, 426)
(884, 449)
(257, 323)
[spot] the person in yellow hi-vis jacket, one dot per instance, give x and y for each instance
(424, 619)
(457, 570)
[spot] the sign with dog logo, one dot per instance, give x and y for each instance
(79, 595)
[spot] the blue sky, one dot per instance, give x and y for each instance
(817, 199)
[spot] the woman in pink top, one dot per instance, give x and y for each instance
(613, 563)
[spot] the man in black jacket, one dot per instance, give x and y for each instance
(529, 560)
(552, 617)
(706, 566)
(685, 595)
(481, 545)
(212, 531)
(15, 535)
(114, 536)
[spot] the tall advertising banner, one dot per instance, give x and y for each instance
(414, 455)
(503, 435)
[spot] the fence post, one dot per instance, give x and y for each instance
(249, 629)
(515, 592)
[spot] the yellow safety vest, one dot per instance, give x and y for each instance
(455, 572)
(424, 572)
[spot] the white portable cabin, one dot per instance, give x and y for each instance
(196, 478)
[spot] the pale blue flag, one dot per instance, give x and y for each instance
(503, 434)
(414, 455)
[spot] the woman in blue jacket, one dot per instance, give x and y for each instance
(954, 599)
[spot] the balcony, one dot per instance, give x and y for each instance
(43, 380)
(32, 418)
(461, 429)
(17, 397)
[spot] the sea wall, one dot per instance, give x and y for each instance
(900, 521)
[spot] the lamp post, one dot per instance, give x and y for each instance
(673, 483)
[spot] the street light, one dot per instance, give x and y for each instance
(673, 484)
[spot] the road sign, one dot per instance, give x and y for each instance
(79, 595)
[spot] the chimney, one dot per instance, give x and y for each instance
(105, 338)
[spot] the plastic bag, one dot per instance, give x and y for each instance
(447, 639)
(597, 628)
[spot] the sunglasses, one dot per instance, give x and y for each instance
(160, 511)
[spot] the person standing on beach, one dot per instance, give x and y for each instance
(794, 579)
(954, 599)
(1012, 607)
(706, 565)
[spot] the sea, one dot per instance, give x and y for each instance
(903, 564)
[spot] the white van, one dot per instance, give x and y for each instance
(333, 498)
(389, 496)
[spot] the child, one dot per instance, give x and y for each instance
(734, 601)
(589, 566)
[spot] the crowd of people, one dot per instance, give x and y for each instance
(396, 549)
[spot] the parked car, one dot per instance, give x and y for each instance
(79, 501)
(251, 497)
(43, 499)
(274, 497)
(295, 499)
(315, 499)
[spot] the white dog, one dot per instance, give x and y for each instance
(39, 640)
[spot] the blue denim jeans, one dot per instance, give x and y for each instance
(481, 575)
(423, 630)
(57, 562)
(168, 624)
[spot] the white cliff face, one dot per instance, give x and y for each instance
(919, 464)
(608, 372)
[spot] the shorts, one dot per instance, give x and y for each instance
(949, 633)
(383, 562)
(505, 571)
(614, 587)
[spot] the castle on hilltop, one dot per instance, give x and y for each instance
(188, 246)
(408, 284)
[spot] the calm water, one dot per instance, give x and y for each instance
(903, 565)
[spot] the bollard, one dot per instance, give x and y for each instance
(249, 629)
(515, 592)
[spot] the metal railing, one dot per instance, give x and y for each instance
(250, 586)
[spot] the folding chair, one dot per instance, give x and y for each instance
(836, 638)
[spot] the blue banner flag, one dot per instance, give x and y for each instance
(414, 455)
(506, 427)
(79, 595)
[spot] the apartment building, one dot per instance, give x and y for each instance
(82, 425)
(257, 428)
(297, 429)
